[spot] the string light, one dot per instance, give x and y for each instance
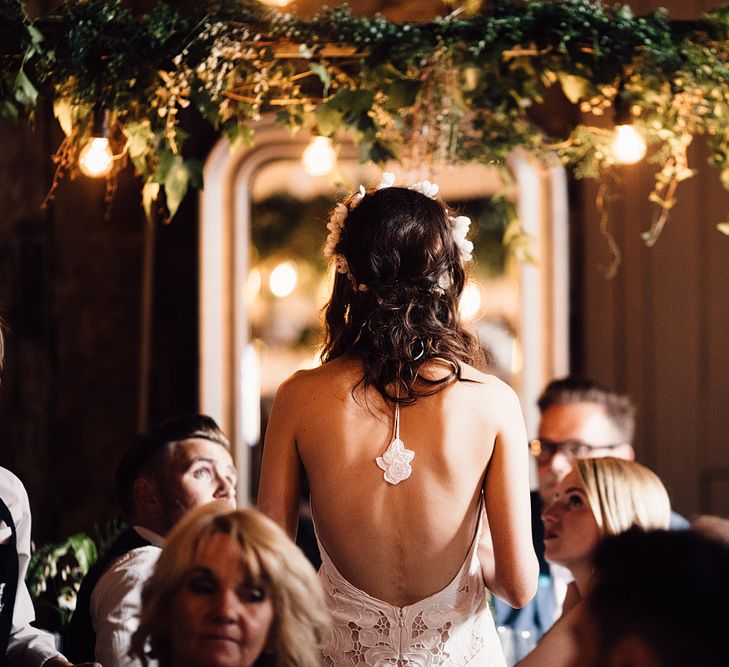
(319, 156)
(283, 279)
(96, 158)
(628, 145)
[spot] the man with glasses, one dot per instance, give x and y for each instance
(579, 419)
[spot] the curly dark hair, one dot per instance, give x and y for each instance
(399, 244)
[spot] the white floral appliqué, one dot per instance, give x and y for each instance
(396, 462)
(460, 228)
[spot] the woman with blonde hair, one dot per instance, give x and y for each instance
(599, 497)
(231, 590)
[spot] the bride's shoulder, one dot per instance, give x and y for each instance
(486, 381)
(328, 375)
(488, 388)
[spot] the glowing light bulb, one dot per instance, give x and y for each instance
(319, 156)
(628, 145)
(470, 302)
(283, 279)
(96, 158)
(275, 3)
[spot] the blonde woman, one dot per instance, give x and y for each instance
(602, 496)
(231, 590)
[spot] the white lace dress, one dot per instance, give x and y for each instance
(452, 628)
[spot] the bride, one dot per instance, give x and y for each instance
(416, 461)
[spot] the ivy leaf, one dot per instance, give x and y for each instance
(140, 143)
(84, 550)
(323, 73)
(166, 158)
(176, 182)
(25, 92)
(352, 102)
(150, 192)
(63, 111)
(239, 134)
(8, 110)
(179, 177)
(401, 94)
(723, 227)
(139, 138)
(574, 87)
(380, 152)
(328, 119)
(36, 36)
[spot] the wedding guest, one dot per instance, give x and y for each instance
(21, 645)
(579, 418)
(230, 590)
(635, 614)
(176, 466)
(415, 459)
(599, 497)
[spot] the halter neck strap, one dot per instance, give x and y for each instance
(396, 425)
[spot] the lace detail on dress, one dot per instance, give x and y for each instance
(452, 628)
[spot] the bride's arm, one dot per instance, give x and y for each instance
(279, 490)
(510, 567)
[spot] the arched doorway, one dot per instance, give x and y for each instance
(231, 373)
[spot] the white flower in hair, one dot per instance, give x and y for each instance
(335, 225)
(357, 198)
(461, 225)
(425, 188)
(444, 281)
(388, 180)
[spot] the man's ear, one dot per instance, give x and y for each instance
(146, 496)
(624, 451)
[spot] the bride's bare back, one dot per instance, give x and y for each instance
(401, 543)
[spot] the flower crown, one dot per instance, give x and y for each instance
(459, 228)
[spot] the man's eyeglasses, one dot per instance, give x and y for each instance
(543, 449)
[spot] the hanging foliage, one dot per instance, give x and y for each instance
(455, 89)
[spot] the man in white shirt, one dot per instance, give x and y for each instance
(21, 644)
(181, 464)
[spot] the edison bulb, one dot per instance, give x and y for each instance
(319, 156)
(283, 279)
(96, 157)
(628, 145)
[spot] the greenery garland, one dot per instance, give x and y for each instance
(470, 79)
